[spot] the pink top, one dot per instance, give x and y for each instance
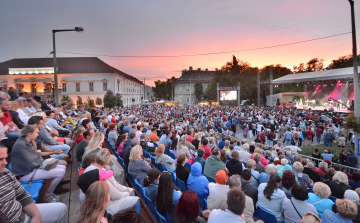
(120, 147)
(3, 130)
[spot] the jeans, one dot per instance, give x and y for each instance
(13, 136)
(65, 148)
(56, 174)
(288, 142)
(50, 213)
(327, 142)
(318, 138)
(270, 143)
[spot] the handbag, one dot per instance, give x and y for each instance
(49, 164)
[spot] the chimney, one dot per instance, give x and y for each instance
(206, 69)
(190, 68)
(216, 69)
(199, 69)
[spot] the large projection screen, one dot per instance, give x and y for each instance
(228, 95)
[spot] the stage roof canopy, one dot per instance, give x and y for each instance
(341, 73)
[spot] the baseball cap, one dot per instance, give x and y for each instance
(86, 179)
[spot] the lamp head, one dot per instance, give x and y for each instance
(79, 29)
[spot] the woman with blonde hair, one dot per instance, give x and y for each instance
(346, 209)
(310, 218)
(138, 167)
(94, 143)
(196, 141)
(183, 149)
(339, 184)
(164, 159)
(320, 198)
(120, 196)
(93, 206)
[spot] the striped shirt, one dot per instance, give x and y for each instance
(13, 197)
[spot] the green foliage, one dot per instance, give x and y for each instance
(109, 101)
(90, 103)
(98, 101)
(79, 101)
(341, 62)
(314, 64)
(352, 123)
(68, 99)
(162, 89)
(198, 92)
(118, 100)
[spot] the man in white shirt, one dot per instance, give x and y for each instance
(234, 213)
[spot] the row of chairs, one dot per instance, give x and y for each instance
(137, 186)
(33, 188)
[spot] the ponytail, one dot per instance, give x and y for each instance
(271, 186)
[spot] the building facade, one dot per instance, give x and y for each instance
(184, 86)
(148, 95)
(87, 77)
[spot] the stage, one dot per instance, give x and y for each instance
(318, 108)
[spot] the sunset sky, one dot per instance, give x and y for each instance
(178, 27)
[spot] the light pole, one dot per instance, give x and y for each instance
(56, 89)
(356, 80)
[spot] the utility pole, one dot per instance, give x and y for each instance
(271, 86)
(356, 81)
(258, 88)
(190, 90)
(144, 89)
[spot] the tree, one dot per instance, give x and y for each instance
(198, 92)
(314, 64)
(341, 62)
(118, 100)
(90, 103)
(109, 101)
(162, 89)
(98, 101)
(68, 99)
(79, 101)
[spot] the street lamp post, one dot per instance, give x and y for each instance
(356, 79)
(56, 90)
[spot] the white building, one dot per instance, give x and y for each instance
(148, 93)
(184, 86)
(87, 77)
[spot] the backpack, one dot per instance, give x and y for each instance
(296, 135)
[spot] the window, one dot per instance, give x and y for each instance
(118, 85)
(49, 87)
(63, 87)
(187, 87)
(33, 88)
(77, 87)
(180, 88)
(19, 86)
(91, 86)
(180, 99)
(104, 86)
(187, 99)
(5, 86)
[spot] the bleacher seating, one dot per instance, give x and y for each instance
(211, 180)
(160, 218)
(333, 198)
(173, 174)
(266, 216)
(203, 202)
(150, 205)
(161, 167)
(188, 165)
(181, 185)
(35, 188)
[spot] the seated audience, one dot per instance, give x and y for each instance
(167, 197)
(3, 130)
(213, 164)
(205, 147)
(89, 159)
(330, 172)
(322, 168)
(310, 218)
(247, 187)
(346, 209)
(287, 181)
(80, 149)
(234, 165)
(27, 164)
(302, 177)
(17, 205)
(164, 159)
(354, 182)
(262, 160)
(127, 215)
(296, 207)
(258, 167)
(234, 213)
(188, 208)
(198, 182)
(138, 167)
(78, 135)
(199, 158)
(283, 167)
(270, 170)
(339, 185)
(251, 165)
(217, 190)
(320, 198)
(182, 173)
(93, 207)
(113, 135)
(119, 145)
(151, 183)
(271, 198)
(309, 170)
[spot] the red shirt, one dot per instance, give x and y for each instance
(207, 151)
(7, 118)
(79, 139)
(318, 131)
(190, 138)
(262, 137)
(310, 132)
(311, 117)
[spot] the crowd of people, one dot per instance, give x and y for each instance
(235, 175)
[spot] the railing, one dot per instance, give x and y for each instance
(349, 169)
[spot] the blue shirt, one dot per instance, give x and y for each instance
(254, 174)
(327, 156)
(264, 177)
(319, 203)
(331, 217)
(151, 190)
